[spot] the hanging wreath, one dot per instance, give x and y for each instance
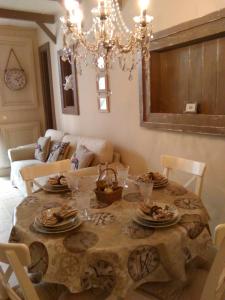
(15, 78)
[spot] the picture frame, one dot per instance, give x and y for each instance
(69, 98)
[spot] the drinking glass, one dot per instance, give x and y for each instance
(73, 183)
(122, 176)
(84, 205)
(146, 191)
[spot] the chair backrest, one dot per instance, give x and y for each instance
(214, 288)
(31, 172)
(219, 234)
(196, 168)
(16, 256)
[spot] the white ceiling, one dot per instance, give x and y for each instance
(41, 6)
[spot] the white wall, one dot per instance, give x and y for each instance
(140, 147)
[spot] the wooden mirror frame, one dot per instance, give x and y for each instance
(71, 95)
(209, 27)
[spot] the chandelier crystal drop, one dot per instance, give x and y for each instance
(109, 39)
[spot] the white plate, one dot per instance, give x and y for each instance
(52, 229)
(62, 189)
(46, 231)
(146, 224)
(56, 186)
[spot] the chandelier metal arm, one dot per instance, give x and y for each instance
(108, 38)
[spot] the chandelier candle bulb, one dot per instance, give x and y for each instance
(143, 5)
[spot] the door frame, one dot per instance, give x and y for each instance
(45, 48)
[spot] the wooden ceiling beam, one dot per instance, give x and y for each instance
(47, 31)
(26, 16)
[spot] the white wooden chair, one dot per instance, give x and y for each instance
(196, 168)
(17, 257)
(30, 173)
(219, 234)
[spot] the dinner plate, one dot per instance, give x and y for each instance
(57, 186)
(50, 231)
(155, 225)
(62, 189)
(55, 229)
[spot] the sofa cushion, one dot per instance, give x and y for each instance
(56, 135)
(73, 140)
(102, 149)
(82, 158)
(42, 148)
(58, 151)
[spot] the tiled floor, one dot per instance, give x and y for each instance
(9, 198)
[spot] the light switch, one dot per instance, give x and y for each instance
(191, 108)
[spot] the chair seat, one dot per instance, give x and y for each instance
(194, 289)
(176, 290)
(93, 294)
(45, 291)
(99, 295)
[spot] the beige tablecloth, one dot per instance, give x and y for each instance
(110, 250)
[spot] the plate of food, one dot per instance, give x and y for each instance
(57, 182)
(146, 223)
(57, 216)
(57, 219)
(155, 177)
(158, 213)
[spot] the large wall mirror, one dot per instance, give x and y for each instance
(182, 89)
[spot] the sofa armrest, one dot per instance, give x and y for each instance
(21, 153)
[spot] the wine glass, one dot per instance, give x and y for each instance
(73, 183)
(146, 189)
(122, 176)
(83, 204)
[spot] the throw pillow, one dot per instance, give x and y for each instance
(42, 148)
(82, 158)
(58, 151)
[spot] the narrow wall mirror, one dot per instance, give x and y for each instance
(103, 103)
(102, 83)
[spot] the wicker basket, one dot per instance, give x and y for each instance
(109, 197)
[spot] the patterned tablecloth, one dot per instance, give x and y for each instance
(111, 250)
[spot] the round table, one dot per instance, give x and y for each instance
(110, 250)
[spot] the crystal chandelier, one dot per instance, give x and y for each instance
(109, 39)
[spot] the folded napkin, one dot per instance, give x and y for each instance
(157, 212)
(150, 177)
(54, 216)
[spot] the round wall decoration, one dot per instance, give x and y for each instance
(15, 78)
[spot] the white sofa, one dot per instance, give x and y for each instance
(23, 156)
